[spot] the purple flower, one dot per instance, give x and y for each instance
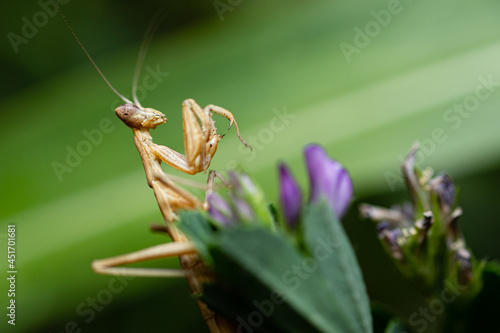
(444, 188)
(242, 208)
(382, 227)
(242, 184)
(245, 203)
(328, 179)
(290, 196)
(220, 210)
(392, 239)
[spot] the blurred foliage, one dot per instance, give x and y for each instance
(264, 57)
(114, 24)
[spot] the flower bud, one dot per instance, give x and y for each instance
(382, 227)
(243, 209)
(242, 184)
(443, 187)
(328, 179)
(463, 258)
(408, 168)
(290, 196)
(220, 210)
(248, 200)
(391, 238)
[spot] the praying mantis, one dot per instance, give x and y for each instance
(200, 142)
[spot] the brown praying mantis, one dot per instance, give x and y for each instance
(200, 142)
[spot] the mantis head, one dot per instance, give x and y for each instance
(137, 117)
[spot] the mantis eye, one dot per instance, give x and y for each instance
(130, 114)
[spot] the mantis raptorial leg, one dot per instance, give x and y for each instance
(200, 143)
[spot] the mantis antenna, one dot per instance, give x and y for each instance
(148, 36)
(90, 58)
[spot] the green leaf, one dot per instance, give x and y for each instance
(237, 301)
(328, 244)
(324, 291)
(232, 305)
(249, 302)
(252, 258)
(198, 229)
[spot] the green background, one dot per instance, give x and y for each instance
(261, 59)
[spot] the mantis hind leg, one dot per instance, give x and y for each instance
(109, 265)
